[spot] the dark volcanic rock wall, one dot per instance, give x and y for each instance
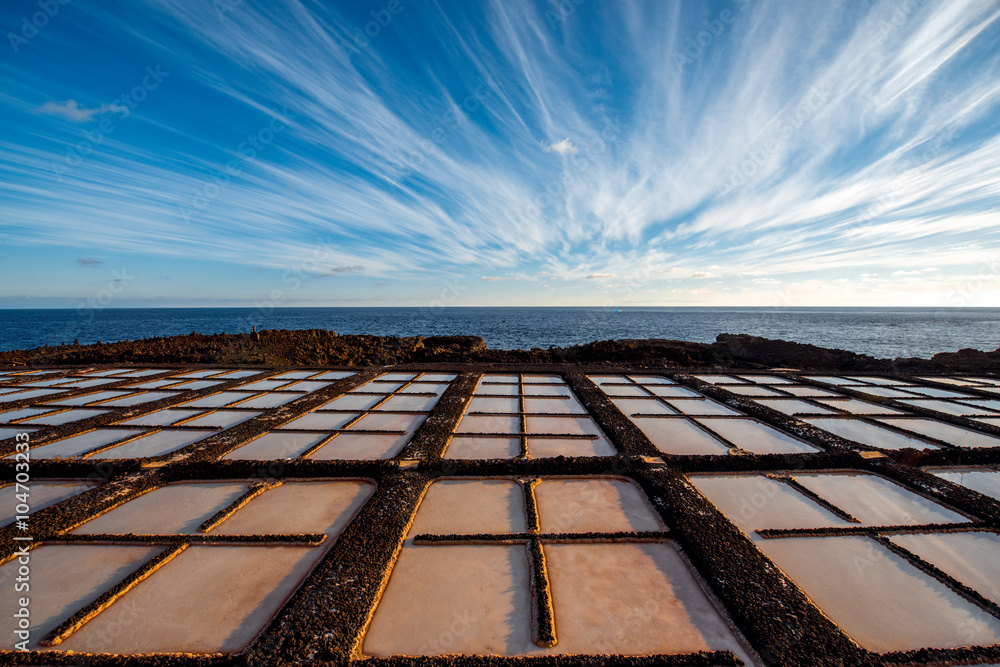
(317, 347)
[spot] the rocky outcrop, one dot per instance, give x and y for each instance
(317, 347)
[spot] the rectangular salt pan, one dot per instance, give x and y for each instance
(876, 380)
(720, 379)
(91, 398)
(276, 445)
(489, 424)
(477, 601)
(756, 502)
(472, 599)
(334, 375)
(804, 390)
(66, 417)
(472, 447)
(971, 558)
(704, 406)
(554, 406)
(44, 494)
(409, 403)
(321, 421)
(374, 421)
(673, 392)
(271, 400)
(562, 425)
(300, 507)
(984, 480)
(876, 501)
(64, 578)
(934, 392)
(20, 396)
(752, 436)
(953, 435)
(23, 413)
(793, 406)
(263, 385)
(868, 434)
(498, 390)
(425, 388)
(754, 390)
(175, 508)
(353, 402)
(858, 407)
(639, 406)
(161, 417)
(222, 418)
(195, 385)
(78, 444)
(360, 447)
(650, 379)
(957, 409)
(546, 390)
(469, 507)
(878, 598)
(207, 600)
(306, 386)
(628, 390)
(599, 609)
(885, 392)
(766, 379)
(594, 505)
(155, 444)
(679, 436)
(540, 448)
(136, 399)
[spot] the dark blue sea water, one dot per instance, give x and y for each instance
(880, 332)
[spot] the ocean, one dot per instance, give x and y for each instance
(879, 332)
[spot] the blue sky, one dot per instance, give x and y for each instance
(579, 152)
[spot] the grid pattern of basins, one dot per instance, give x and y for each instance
(894, 569)
(679, 420)
(884, 413)
(519, 416)
(542, 567)
(197, 408)
(577, 515)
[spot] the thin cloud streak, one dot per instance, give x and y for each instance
(778, 147)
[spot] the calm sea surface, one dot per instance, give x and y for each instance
(880, 332)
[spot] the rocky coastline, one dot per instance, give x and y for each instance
(317, 347)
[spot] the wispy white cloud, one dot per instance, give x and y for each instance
(72, 111)
(563, 147)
